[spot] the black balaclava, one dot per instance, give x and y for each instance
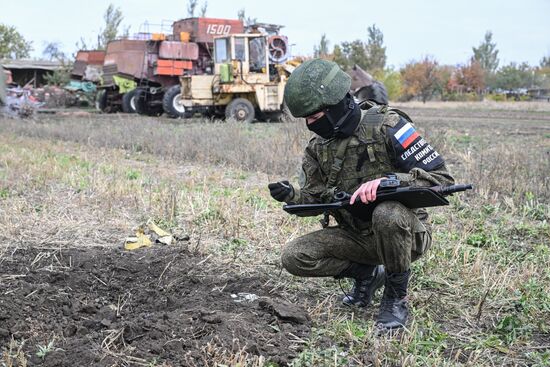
(340, 120)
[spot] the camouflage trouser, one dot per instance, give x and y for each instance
(397, 238)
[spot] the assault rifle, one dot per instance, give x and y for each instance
(411, 197)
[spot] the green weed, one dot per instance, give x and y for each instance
(133, 174)
(44, 350)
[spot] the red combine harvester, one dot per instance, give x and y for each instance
(138, 73)
(88, 65)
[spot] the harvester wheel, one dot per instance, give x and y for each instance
(101, 101)
(143, 105)
(240, 109)
(172, 103)
(129, 102)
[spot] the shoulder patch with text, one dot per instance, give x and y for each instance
(411, 150)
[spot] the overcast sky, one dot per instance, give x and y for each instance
(412, 28)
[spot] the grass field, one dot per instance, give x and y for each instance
(480, 297)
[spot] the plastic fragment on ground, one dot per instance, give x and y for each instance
(163, 237)
(141, 240)
(165, 240)
(244, 297)
(153, 227)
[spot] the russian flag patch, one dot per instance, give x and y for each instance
(406, 135)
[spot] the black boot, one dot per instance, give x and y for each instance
(366, 280)
(394, 310)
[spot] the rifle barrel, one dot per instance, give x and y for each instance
(448, 190)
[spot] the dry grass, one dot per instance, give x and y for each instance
(480, 296)
(485, 105)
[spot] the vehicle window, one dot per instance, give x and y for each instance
(257, 54)
(239, 49)
(222, 50)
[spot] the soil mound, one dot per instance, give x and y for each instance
(162, 305)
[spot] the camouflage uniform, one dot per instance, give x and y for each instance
(397, 235)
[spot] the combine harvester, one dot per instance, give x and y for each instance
(137, 73)
(208, 66)
(201, 67)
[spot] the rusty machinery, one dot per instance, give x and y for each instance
(248, 79)
(206, 65)
(137, 73)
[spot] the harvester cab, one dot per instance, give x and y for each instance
(241, 58)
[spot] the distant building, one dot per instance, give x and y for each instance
(30, 72)
(539, 93)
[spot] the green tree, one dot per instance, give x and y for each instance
(486, 54)
(59, 77)
(375, 50)
(321, 50)
(514, 76)
(113, 18)
(355, 53)
(392, 81)
(542, 77)
(12, 44)
(339, 57)
(545, 62)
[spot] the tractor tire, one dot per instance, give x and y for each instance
(376, 92)
(129, 102)
(143, 106)
(101, 101)
(241, 110)
(276, 116)
(172, 106)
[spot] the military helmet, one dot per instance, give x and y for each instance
(314, 85)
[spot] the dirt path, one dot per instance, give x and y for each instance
(158, 306)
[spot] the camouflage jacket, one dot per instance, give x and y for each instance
(385, 141)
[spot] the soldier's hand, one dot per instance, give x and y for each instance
(281, 191)
(367, 191)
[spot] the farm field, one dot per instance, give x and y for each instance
(73, 188)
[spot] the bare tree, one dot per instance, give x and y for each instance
(204, 7)
(52, 51)
(191, 6)
(241, 15)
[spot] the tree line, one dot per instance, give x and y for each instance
(426, 78)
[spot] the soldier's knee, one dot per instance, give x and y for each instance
(388, 215)
(290, 258)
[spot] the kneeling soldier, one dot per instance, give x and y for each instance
(354, 148)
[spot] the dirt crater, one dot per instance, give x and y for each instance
(156, 306)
